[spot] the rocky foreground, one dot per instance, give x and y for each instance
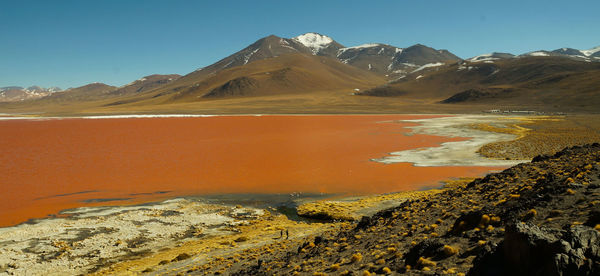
(538, 218)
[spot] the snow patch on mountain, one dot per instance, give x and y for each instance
(463, 67)
(247, 57)
(367, 45)
(538, 54)
(363, 46)
(484, 57)
(590, 51)
(286, 44)
(134, 82)
(390, 66)
(17, 93)
(229, 63)
(428, 65)
(314, 41)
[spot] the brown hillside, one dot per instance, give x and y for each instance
(420, 54)
(13, 94)
(92, 91)
(144, 84)
(267, 47)
(520, 81)
(235, 87)
(92, 94)
(285, 74)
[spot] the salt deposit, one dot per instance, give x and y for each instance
(92, 236)
(461, 153)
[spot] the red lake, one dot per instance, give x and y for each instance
(49, 165)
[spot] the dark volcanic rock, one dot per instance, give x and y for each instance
(427, 248)
(527, 248)
(531, 250)
(383, 91)
(236, 87)
(467, 95)
(466, 222)
(476, 94)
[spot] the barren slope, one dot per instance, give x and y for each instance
(285, 74)
(532, 81)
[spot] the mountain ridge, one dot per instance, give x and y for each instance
(551, 82)
(18, 93)
(590, 55)
(313, 62)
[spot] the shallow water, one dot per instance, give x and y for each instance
(51, 165)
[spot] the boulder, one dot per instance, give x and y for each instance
(531, 250)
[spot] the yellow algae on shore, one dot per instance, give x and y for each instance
(543, 135)
(457, 182)
(514, 129)
(354, 210)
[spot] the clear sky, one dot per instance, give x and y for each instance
(72, 43)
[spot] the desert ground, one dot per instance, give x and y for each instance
(341, 101)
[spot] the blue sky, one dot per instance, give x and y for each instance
(72, 43)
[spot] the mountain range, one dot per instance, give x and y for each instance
(591, 55)
(17, 93)
(314, 63)
(546, 82)
(97, 91)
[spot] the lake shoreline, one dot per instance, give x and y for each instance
(141, 247)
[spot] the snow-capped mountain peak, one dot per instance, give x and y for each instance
(582, 55)
(314, 41)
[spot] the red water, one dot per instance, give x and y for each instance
(51, 165)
